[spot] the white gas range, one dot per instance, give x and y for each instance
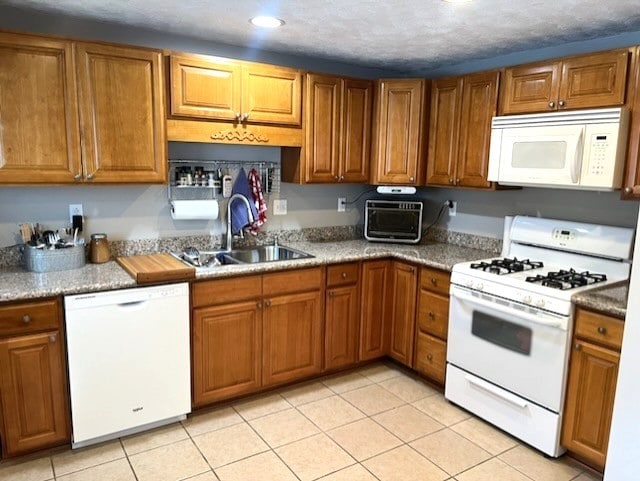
(510, 321)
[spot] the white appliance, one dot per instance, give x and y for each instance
(129, 364)
(510, 322)
(582, 149)
(623, 463)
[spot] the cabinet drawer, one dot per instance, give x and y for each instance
(29, 317)
(433, 314)
(224, 291)
(431, 357)
(599, 328)
(342, 274)
(292, 281)
(435, 280)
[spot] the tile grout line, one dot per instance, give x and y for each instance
(126, 455)
(200, 451)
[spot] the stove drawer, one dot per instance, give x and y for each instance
(430, 357)
(433, 314)
(519, 417)
(599, 328)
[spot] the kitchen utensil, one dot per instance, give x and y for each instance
(100, 251)
(193, 256)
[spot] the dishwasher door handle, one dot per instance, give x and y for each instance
(133, 305)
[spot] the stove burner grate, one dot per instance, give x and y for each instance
(567, 279)
(506, 265)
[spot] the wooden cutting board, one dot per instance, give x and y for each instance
(153, 268)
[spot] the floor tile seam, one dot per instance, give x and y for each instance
(364, 415)
(350, 389)
(309, 402)
(382, 452)
(88, 467)
(154, 447)
(374, 421)
(502, 460)
(310, 420)
(199, 474)
(405, 400)
(412, 440)
(263, 415)
(428, 434)
(481, 447)
(525, 474)
(374, 414)
(201, 453)
(320, 478)
(135, 475)
(431, 461)
(215, 429)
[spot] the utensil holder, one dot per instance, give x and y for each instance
(44, 260)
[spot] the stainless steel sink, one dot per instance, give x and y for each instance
(273, 253)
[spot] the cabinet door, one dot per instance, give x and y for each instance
(593, 375)
(431, 357)
(479, 104)
(227, 347)
(271, 95)
(341, 326)
(39, 137)
(403, 312)
(398, 133)
(433, 314)
(205, 88)
(530, 88)
(443, 131)
(122, 114)
(35, 407)
(596, 80)
(356, 131)
(374, 336)
(292, 336)
(631, 182)
(323, 101)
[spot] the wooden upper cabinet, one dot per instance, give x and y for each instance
(39, 138)
(122, 114)
(460, 129)
(586, 81)
(206, 89)
(216, 88)
(631, 185)
(398, 132)
(338, 129)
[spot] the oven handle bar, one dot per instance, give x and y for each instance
(491, 389)
(460, 294)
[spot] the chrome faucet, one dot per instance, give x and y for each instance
(229, 242)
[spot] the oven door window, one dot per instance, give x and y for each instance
(397, 222)
(503, 333)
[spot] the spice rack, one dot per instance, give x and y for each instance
(202, 179)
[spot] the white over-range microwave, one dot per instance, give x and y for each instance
(582, 149)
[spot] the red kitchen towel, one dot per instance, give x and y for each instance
(258, 197)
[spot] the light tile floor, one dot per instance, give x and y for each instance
(374, 423)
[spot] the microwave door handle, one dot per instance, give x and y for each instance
(459, 294)
(576, 166)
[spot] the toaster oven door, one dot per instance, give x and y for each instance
(393, 224)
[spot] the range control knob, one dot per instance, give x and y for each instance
(526, 299)
(480, 286)
(540, 303)
(469, 283)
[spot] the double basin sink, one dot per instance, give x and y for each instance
(249, 255)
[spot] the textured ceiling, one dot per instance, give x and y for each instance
(402, 35)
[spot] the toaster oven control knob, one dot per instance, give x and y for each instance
(526, 299)
(540, 303)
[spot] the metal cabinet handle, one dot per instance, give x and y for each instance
(26, 319)
(552, 104)
(561, 103)
(410, 179)
(259, 305)
(602, 330)
(412, 270)
(431, 315)
(429, 357)
(337, 177)
(238, 115)
(457, 181)
(577, 346)
(344, 275)
(450, 180)
(267, 303)
(341, 178)
(628, 190)
(77, 177)
(53, 338)
(245, 116)
(90, 176)
(434, 281)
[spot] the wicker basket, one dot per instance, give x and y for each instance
(44, 260)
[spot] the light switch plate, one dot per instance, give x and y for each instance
(279, 206)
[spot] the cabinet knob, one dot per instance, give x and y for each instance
(238, 115)
(77, 177)
(26, 319)
(434, 281)
(344, 275)
(431, 315)
(53, 338)
(450, 180)
(245, 116)
(259, 305)
(577, 346)
(561, 103)
(412, 269)
(89, 176)
(602, 330)
(341, 178)
(267, 303)
(410, 179)
(457, 181)
(552, 104)
(337, 177)
(628, 190)
(429, 357)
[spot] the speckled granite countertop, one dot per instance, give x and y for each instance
(610, 300)
(16, 284)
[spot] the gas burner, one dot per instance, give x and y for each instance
(565, 280)
(506, 265)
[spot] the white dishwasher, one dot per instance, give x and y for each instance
(129, 361)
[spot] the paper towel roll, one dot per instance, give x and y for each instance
(194, 209)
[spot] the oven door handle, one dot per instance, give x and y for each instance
(491, 389)
(460, 294)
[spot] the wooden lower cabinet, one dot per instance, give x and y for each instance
(33, 381)
(403, 312)
(292, 337)
(431, 357)
(341, 326)
(227, 348)
(593, 375)
(374, 332)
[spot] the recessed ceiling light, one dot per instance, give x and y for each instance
(266, 22)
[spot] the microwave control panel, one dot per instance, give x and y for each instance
(603, 158)
(598, 158)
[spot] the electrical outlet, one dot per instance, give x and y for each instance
(279, 206)
(453, 209)
(342, 204)
(74, 209)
